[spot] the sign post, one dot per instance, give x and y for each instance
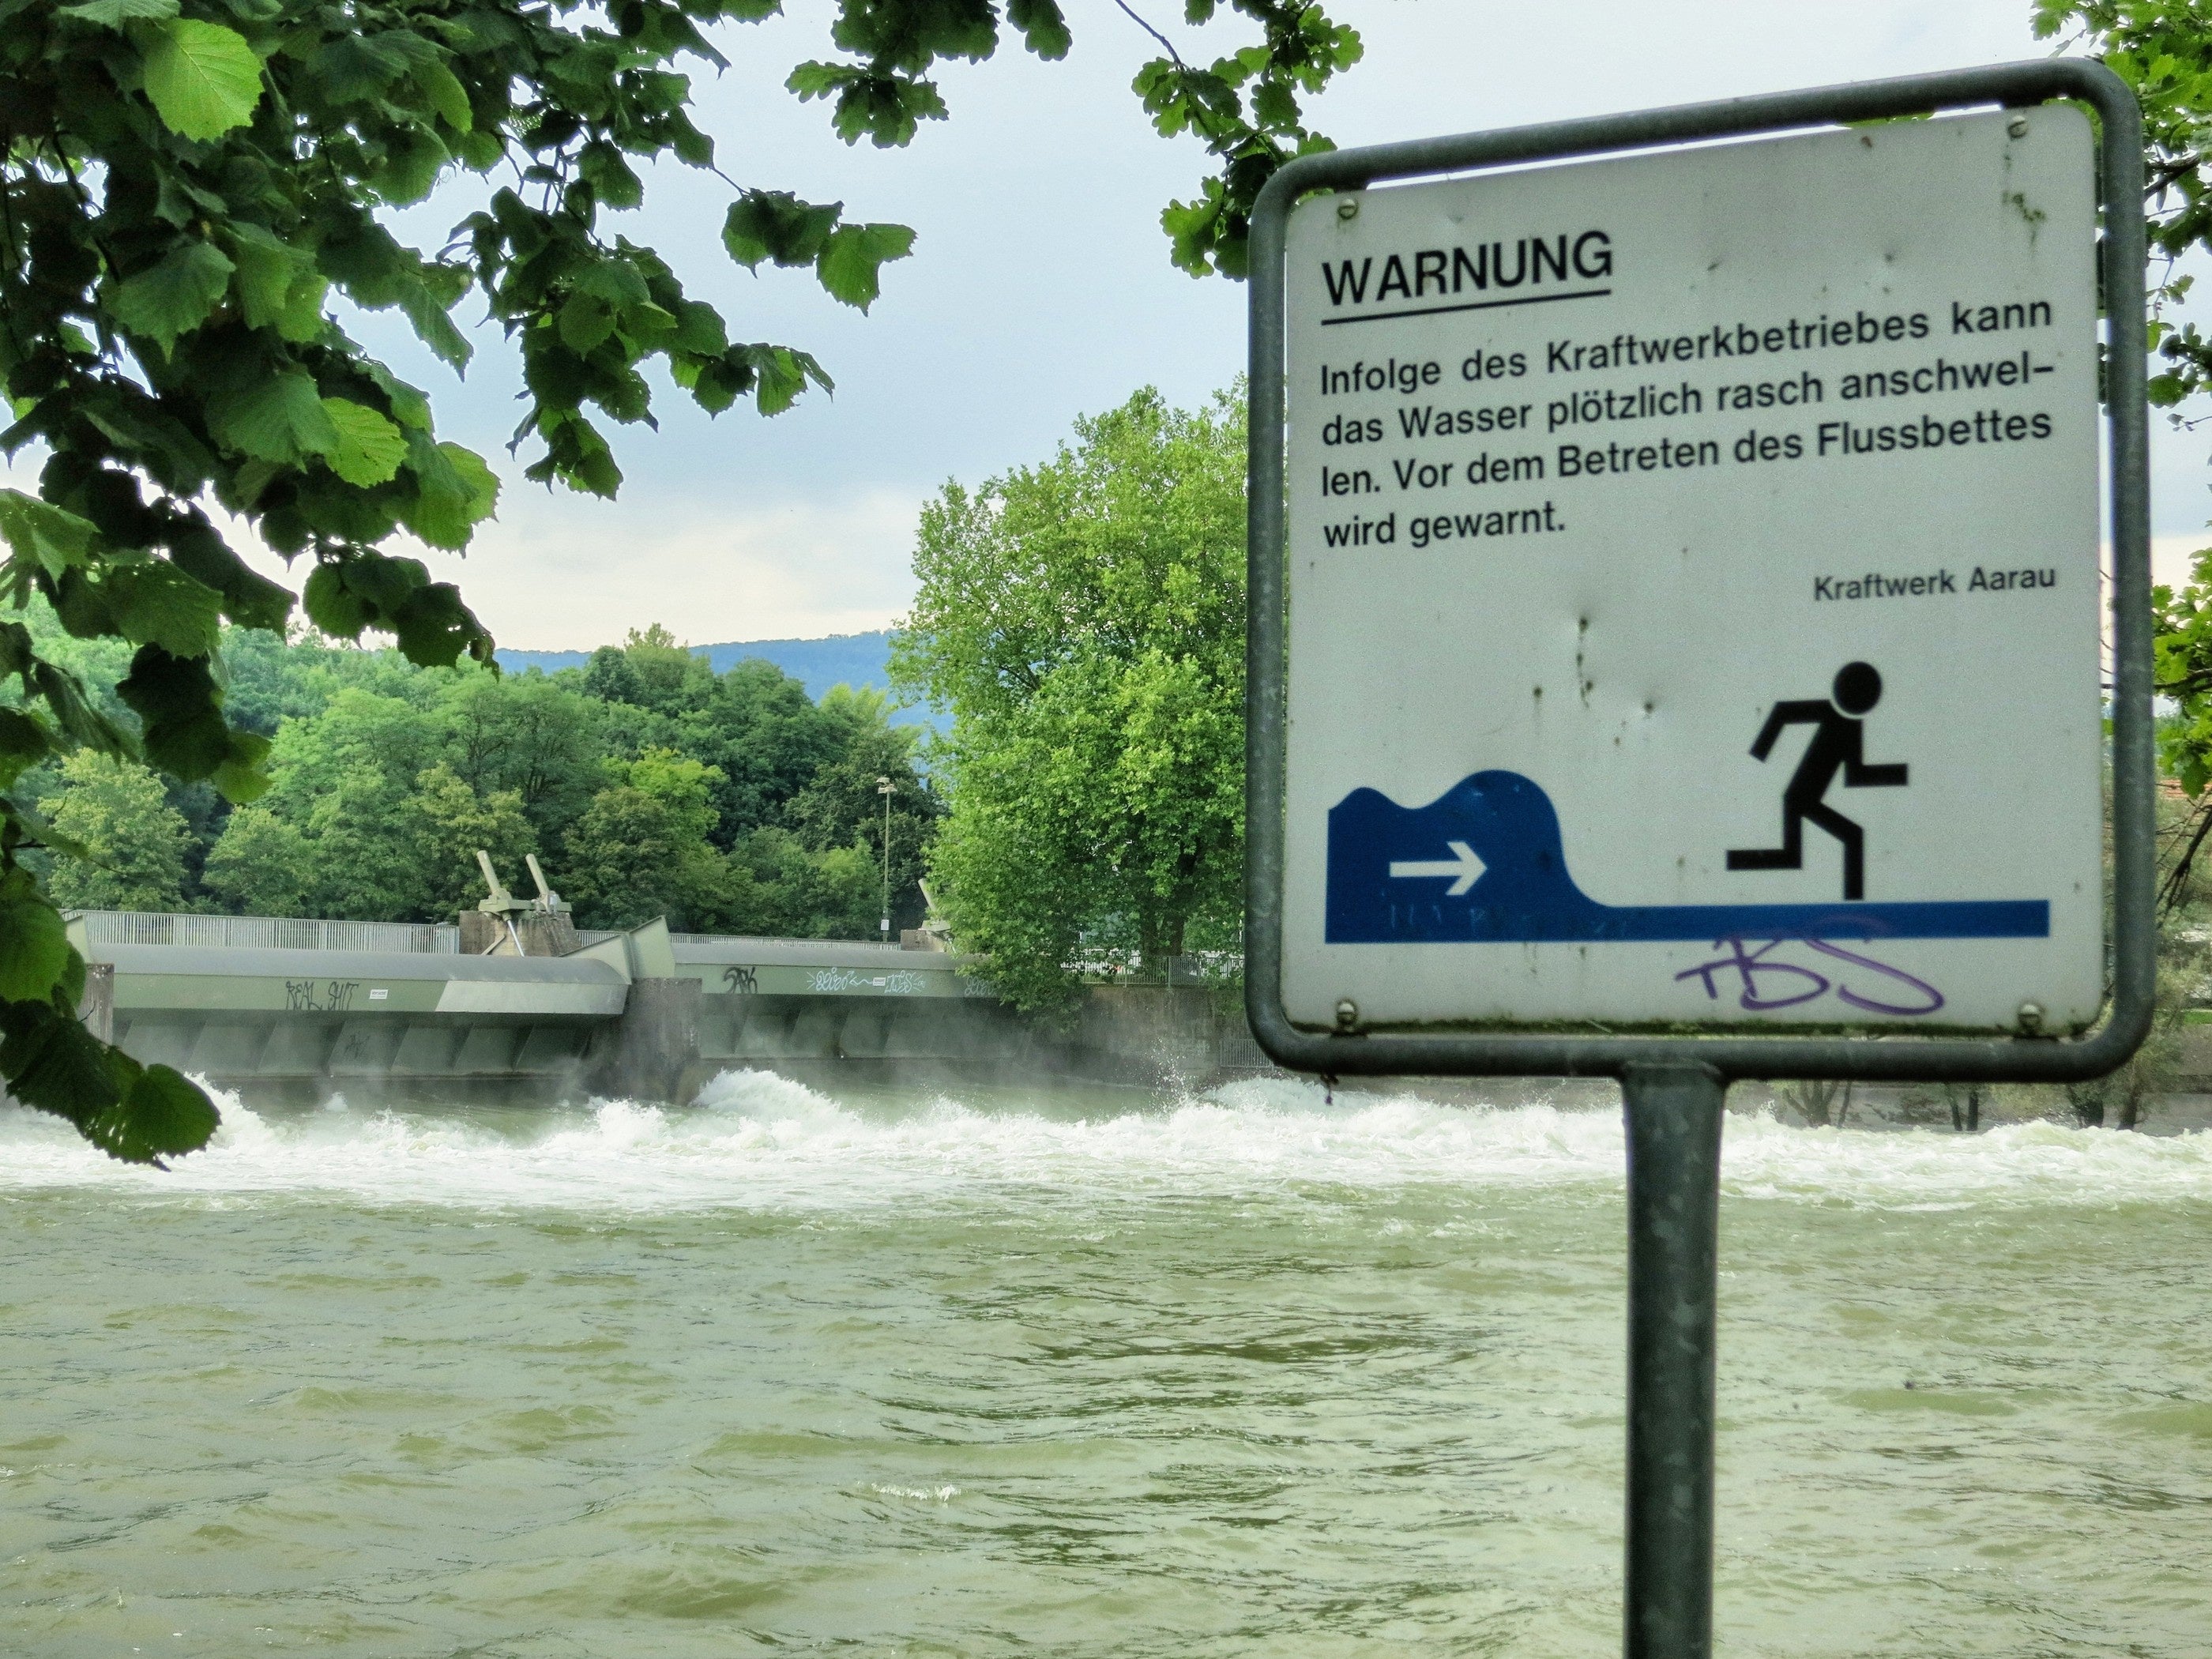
(1676, 635)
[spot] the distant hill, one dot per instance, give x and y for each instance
(856, 659)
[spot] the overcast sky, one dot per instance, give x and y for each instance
(1040, 288)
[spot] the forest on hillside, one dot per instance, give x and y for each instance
(647, 783)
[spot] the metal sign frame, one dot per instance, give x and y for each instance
(1446, 1053)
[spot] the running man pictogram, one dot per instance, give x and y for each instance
(1838, 735)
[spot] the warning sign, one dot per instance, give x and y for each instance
(1693, 587)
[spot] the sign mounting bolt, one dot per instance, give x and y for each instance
(1347, 1015)
(1348, 208)
(2031, 1017)
(2017, 126)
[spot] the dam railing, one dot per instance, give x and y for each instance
(266, 932)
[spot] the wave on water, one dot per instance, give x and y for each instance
(758, 1141)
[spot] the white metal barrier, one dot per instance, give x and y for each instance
(266, 932)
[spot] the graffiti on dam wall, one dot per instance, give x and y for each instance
(321, 996)
(902, 984)
(832, 981)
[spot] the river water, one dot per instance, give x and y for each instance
(1080, 1375)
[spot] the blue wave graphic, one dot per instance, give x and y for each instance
(1524, 894)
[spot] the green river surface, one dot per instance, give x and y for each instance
(1079, 1373)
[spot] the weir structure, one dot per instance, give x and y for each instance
(282, 1009)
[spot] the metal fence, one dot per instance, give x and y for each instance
(267, 932)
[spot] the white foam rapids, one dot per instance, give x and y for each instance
(757, 1140)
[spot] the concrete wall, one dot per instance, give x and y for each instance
(652, 1052)
(1148, 1035)
(539, 934)
(2193, 1063)
(1162, 1035)
(96, 1007)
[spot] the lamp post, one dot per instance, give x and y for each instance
(884, 787)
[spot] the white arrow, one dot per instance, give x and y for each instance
(1463, 865)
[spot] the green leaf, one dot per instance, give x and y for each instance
(614, 280)
(370, 448)
(64, 694)
(144, 431)
(239, 777)
(1240, 67)
(1274, 106)
(446, 94)
(249, 599)
(249, 483)
(268, 270)
(385, 583)
(480, 480)
(433, 628)
(700, 329)
(584, 322)
(53, 1063)
(432, 325)
(1044, 30)
(692, 147)
(39, 530)
(331, 606)
(854, 255)
(202, 78)
(34, 947)
(279, 419)
(175, 296)
(780, 375)
(114, 14)
(773, 224)
(81, 606)
(303, 320)
(413, 160)
(154, 603)
(178, 202)
(456, 492)
(162, 1114)
(407, 403)
(815, 80)
(180, 712)
(23, 743)
(870, 104)
(602, 168)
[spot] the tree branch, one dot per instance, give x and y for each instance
(2175, 885)
(1166, 45)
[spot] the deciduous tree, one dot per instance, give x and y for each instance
(778, 886)
(126, 843)
(446, 821)
(2163, 50)
(640, 849)
(842, 805)
(262, 866)
(1084, 621)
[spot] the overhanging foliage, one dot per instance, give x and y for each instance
(183, 186)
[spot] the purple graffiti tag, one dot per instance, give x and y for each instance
(1750, 965)
(1934, 997)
